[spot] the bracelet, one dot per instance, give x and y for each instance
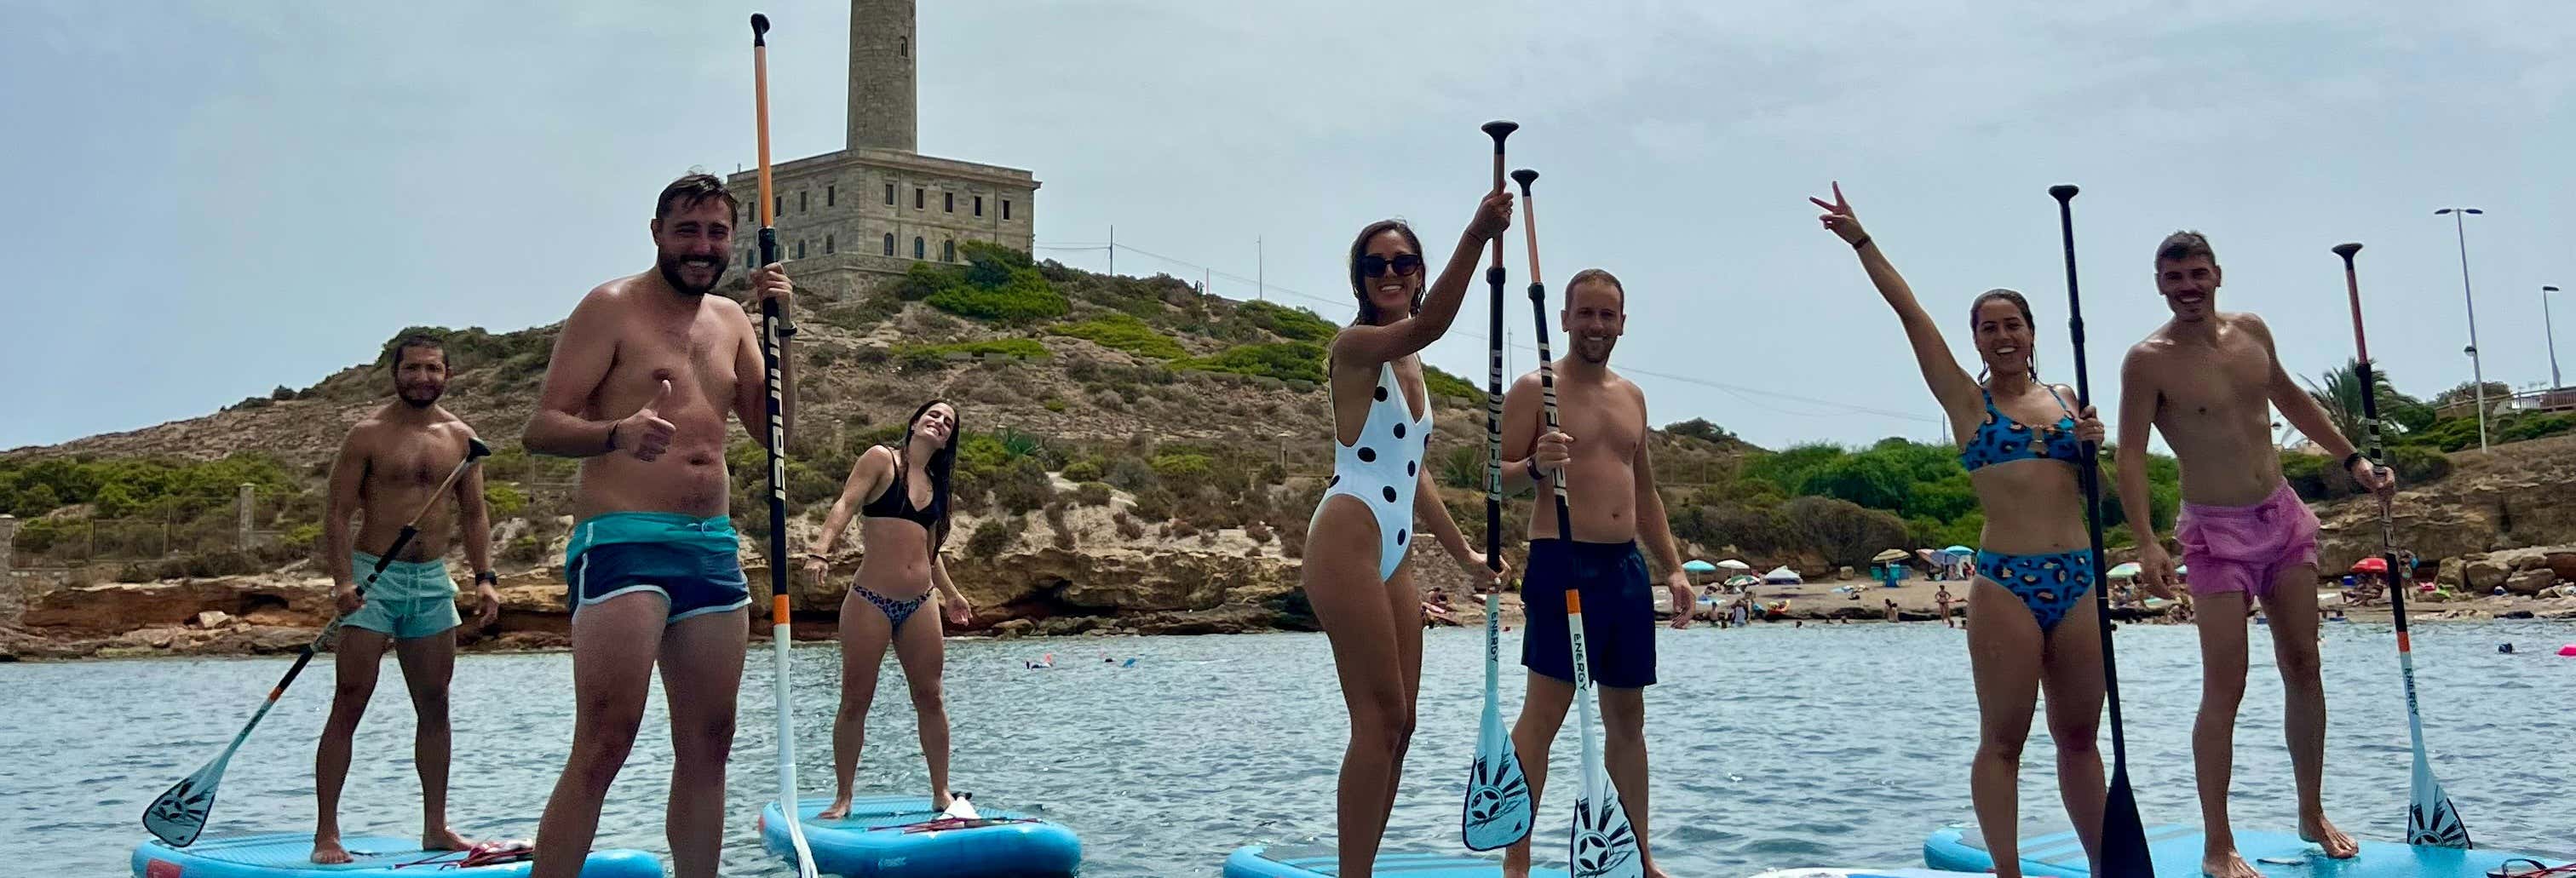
(486, 577)
(1531, 464)
(1863, 242)
(2350, 459)
(612, 435)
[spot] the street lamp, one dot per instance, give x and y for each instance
(2554, 382)
(2477, 370)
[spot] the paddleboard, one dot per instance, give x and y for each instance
(893, 836)
(1866, 873)
(1313, 860)
(2176, 851)
(290, 854)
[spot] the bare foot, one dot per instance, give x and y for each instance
(443, 839)
(1654, 871)
(840, 808)
(2227, 864)
(327, 849)
(2324, 834)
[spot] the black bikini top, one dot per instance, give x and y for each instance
(896, 502)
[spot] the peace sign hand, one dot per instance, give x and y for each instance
(1838, 217)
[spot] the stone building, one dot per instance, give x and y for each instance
(877, 206)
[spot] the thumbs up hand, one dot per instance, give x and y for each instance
(645, 434)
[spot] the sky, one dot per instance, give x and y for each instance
(220, 198)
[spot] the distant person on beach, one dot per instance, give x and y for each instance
(1354, 572)
(2207, 381)
(1941, 598)
(2023, 442)
(641, 379)
(899, 493)
(1598, 453)
(388, 468)
(1891, 609)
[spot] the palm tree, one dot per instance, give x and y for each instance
(2339, 391)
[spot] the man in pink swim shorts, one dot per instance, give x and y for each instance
(2208, 381)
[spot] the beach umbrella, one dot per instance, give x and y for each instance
(1698, 566)
(1782, 574)
(2372, 564)
(2125, 571)
(1732, 564)
(1960, 550)
(1740, 580)
(1889, 555)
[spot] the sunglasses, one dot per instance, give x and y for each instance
(1405, 264)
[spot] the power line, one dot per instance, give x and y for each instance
(1747, 395)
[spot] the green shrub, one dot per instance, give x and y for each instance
(503, 499)
(1082, 471)
(1022, 486)
(307, 536)
(1123, 332)
(1293, 324)
(1287, 361)
(1092, 494)
(990, 539)
(1183, 466)
(1444, 384)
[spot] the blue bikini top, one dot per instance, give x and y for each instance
(2002, 440)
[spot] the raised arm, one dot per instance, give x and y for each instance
(580, 361)
(1949, 383)
(1367, 345)
(751, 385)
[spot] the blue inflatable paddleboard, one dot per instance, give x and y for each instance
(1866, 873)
(1314, 860)
(290, 855)
(893, 836)
(2176, 851)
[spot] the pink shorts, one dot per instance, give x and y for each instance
(2245, 548)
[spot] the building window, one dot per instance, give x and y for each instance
(827, 244)
(889, 197)
(889, 244)
(903, 47)
(948, 251)
(746, 260)
(779, 207)
(916, 197)
(800, 201)
(828, 192)
(951, 197)
(1006, 208)
(916, 249)
(800, 248)
(979, 205)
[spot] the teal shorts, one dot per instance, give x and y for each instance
(688, 561)
(410, 599)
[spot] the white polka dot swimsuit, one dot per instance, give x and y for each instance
(1382, 468)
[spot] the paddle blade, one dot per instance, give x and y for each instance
(2430, 819)
(2124, 836)
(180, 814)
(1603, 845)
(1497, 813)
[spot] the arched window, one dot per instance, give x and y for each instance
(916, 249)
(948, 251)
(889, 244)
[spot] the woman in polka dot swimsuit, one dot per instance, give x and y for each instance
(1354, 572)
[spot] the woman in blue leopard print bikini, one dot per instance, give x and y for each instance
(2030, 626)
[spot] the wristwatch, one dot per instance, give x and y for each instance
(1531, 465)
(486, 577)
(2350, 459)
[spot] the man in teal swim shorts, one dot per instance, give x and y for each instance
(642, 377)
(388, 467)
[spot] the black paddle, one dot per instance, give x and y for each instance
(180, 813)
(2124, 835)
(1497, 809)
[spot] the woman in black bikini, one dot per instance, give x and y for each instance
(903, 522)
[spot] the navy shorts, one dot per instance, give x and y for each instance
(1618, 612)
(691, 579)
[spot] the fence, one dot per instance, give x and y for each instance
(2559, 399)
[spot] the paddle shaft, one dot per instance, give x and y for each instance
(2124, 838)
(2420, 826)
(772, 324)
(1546, 360)
(1498, 130)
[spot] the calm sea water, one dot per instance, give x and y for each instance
(1772, 746)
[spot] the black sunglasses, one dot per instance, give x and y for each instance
(1405, 264)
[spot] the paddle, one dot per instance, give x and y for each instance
(1497, 810)
(1602, 846)
(180, 814)
(773, 326)
(2124, 835)
(2430, 819)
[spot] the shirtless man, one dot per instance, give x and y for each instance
(642, 377)
(1601, 438)
(2208, 381)
(388, 468)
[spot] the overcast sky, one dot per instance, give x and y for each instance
(222, 197)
